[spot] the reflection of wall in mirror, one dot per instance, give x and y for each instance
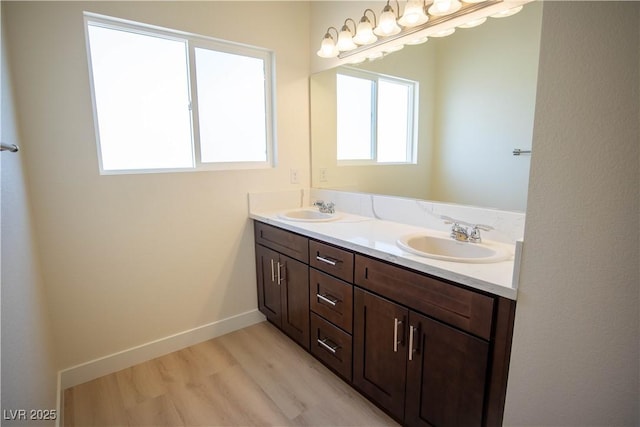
(483, 82)
(402, 180)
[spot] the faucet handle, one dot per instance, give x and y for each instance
(483, 227)
(475, 236)
(450, 220)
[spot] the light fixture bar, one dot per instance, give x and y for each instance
(477, 10)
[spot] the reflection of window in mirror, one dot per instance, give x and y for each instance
(381, 130)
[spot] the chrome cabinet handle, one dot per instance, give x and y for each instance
(412, 330)
(279, 266)
(332, 301)
(327, 260)
(328, 347)
(273, 272)
(396, 322)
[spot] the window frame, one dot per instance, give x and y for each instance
(412, 118)
(192, 41)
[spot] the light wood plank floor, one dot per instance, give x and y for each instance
(252, 377)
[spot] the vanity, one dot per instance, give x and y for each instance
(428, 347)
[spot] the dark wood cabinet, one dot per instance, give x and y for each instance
(421, 371)
(427, 351)
(283, 290)
(379, 364)
(446, 375)
(269, 290)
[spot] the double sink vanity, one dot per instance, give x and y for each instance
(417, 321)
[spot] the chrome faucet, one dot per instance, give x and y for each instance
(325, 207)
(464, 231)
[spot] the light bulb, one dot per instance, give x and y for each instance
(327, 47)
(387, 25)
(364, 32)
(444, 7)
(413, 14)
(345, 40)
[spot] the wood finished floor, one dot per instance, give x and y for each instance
(252, 377)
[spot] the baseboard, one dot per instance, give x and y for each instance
(121, 360)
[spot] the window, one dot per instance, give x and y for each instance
(169, 101)
(382, 131)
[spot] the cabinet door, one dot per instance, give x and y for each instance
(269, 299)
(446, 375)
(295, 299)
(380, 350)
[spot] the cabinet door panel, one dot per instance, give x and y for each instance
(380, 351)
(446, 376)
(269, 299)
(295, 300)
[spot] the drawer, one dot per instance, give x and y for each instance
(283, 241)
(331, 345)
(462, 308)
(331, 298)
(335, 261)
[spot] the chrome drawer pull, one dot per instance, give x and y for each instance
(330, 301)
(332, 349)
(327, 260)
(273, 272)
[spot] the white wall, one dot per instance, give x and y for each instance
(28, 356)
(133, 258)
(576, 340)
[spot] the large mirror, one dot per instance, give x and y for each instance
(476, 104)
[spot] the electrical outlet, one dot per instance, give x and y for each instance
(323, 174)
(293, 176)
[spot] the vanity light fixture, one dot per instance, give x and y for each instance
(328, 47)
(420, 20)
(444, 7)
(364, 30)
(414, 14)
(345, 37)
(388, 25)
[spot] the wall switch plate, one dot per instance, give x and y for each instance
(293, 176)
(323, 174)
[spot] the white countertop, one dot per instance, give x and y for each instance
(377, 238)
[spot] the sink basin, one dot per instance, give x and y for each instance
(447, 249)
(308, 215)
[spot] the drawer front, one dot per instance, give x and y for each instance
(331, 345)
(283, 241)
(332, 299)
(335, 261)
(465, 309)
